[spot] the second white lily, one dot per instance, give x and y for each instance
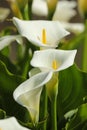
(53, 60)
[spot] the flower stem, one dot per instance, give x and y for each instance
(54, 113)
(84, 62)
(30, 8)
(45, 108)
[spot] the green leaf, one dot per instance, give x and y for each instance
(79, 121)
(2, 114)
(72, 90)
(11, 67)
(8, 82)
(74, 42)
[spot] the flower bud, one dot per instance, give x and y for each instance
(22, 3)
(82, 6)
(52, 87)
(15, 8)
(51, 7)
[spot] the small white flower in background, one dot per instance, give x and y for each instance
(39, 8)
(6, 40)
(64, 10)
(28, 93)
(68, 13)
(4, 12)
(11, 124)
(40, 32)
(53, 60)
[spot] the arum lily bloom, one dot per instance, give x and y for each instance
(53, 60)
(39, 8)
(4, 12)
(28, 93)
(64, 17)
(11, 124)
(6, 40)
(68, 12)
(41, 33)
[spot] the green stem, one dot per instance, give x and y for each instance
(54, 113)
(84, 62)
(30, 8)
(45, 108)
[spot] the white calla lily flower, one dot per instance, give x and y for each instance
(4, 12)
(6, 40)
(40, 32)
(28, 93)
(11, 124)
(53, 60)
(39, 8)
(68, 13)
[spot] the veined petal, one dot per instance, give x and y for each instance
(28, 93)
(11, 124)
(68, 13)
(53, 60)
(6, 40)
(39, 8)
(32, 30)
(4, 12)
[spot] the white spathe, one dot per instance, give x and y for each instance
(68, 13)
(39, 8)
(28, 93)
(44, 59)
(6, 40)
(32, 30)
(65, 10)
(11, 124)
